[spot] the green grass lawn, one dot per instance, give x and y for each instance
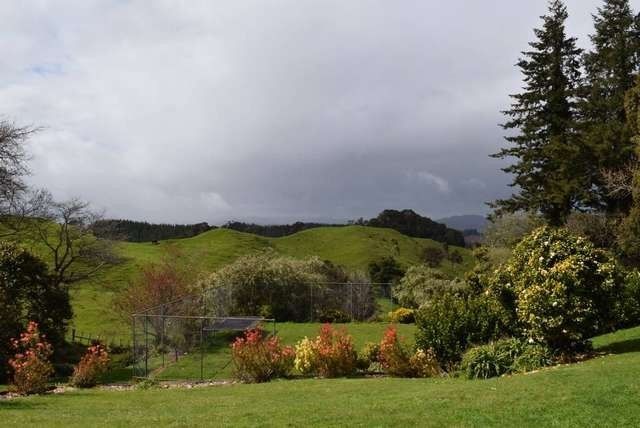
(601, 392)
(352, 246)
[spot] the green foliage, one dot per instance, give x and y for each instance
(560, 288)
(420, 284)
(610, 69)
(508, 229)
(258, 358)
(631, 300)
(503, 357)
(543, 116)
(453, 321)
(370, 354)
(433, 256)
(288, 289)
(409, 223)
(27, 292)
(385, 270)
(402, 316)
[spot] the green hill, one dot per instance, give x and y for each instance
(352, 247)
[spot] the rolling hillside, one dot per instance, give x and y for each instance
(353, 247)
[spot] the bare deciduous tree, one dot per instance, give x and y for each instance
(64, 229)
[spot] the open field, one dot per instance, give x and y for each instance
(601, 392)
(352, 246)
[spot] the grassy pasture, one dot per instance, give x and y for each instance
(604, 391)
(352, 246)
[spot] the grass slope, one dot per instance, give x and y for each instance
(601, 392)
(353, 247)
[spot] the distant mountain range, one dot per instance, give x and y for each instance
(465, 222)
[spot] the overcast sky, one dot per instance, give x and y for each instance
(192, 111)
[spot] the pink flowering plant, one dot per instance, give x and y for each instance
(30, 366)
(93, 365)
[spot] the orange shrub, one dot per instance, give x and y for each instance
(260, 359)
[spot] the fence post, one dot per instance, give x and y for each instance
(73, 335)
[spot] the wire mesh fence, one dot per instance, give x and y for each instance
(189, 338)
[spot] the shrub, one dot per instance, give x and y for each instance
(630, 311)
(421, 284)
(503, 357)
(402, 316)
(533, 357)
(394, 355)
(455, 257)
(560, 288)
(260, 359)
(333, 316)
(424, 363)
(27, 291)
(370, 354)
(288, 289)
(396, 359)
(31, 366)
(385, 270)
(330, 354)
(453, 321)
(433, 256)
(93, 365)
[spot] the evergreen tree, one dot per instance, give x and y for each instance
(629, 235)
(610, 70)
(542, 121)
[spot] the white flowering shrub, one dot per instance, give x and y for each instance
(560, 288)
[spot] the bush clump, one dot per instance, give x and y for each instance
(449, 324)
(31, 364)
(402, 316)
(421, 284)
(92, 366)
(330, 354)
(396, 359)
(257, 358)
(504, 357)
(560, 289)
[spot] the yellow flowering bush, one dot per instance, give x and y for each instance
(402, 316)
(560, 289)
(305, 361)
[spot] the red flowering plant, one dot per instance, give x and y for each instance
(30, 365)
(394, 356)
(397, 359)
(259, 359)
(93, 365)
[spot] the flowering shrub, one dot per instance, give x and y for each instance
(260, 359)
(370, 354)
(330, 354)
(31, 366)
(394, 355)
(402, 316)
(91, 367)
(397, 360)
(560, 288)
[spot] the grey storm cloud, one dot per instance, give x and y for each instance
(275, 110)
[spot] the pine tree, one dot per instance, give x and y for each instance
(542, 125)
(610, 70)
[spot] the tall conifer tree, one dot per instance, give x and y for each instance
(542, 125)
(610, 70)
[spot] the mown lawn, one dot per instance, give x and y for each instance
(601, 392)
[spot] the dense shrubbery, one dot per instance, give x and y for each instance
(402, 316)
(30, 365)
(504, 357)
(420, 284)
(259, 359)
(453, 321)
(560, 289)
(93, 365)
(27, 292)
(330, 354)
(631, 300)
(288, 289)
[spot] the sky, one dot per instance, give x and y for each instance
(268, 110)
